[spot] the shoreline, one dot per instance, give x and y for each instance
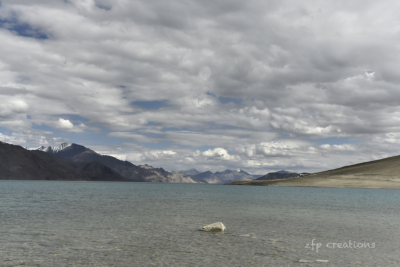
(337, 181)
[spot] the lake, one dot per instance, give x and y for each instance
(55, 223)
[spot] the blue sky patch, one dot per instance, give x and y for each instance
(4, 131)
(42, 127)
(214, 125)
(160, 145)
(151, 123)
(211, 94)
(22, 29)
(105, 7)
(203, 148)
(153, 135)
(150, 104)
(226, 100)
(174, 129)
(332, 140)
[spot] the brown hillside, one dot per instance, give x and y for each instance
(383, 173)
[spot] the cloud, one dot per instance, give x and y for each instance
(13, 107)
(12, 139)
(32, 138)
(65, 124)
(271, 83)
(345, 147)
(218, 153)
(157, 154)
(271, 149)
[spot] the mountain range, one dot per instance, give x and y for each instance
(76, 162)
(17, 163)
(226, 176)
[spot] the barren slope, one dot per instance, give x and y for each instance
(384, 173)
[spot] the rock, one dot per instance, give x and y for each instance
(214, 227)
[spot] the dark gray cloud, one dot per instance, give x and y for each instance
(10, 91)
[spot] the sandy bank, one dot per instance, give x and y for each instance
(343, 181)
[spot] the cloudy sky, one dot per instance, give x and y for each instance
(261, 85)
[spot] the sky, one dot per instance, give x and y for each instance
(260, 85)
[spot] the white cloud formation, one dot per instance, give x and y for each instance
(345, 147)
(65, 124)
(218, 153)
(12, 139)
(158, 154)
(257, 84)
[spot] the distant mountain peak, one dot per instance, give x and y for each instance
(54, 149)
(35, 148)
(147, 167)
(283, 171)
(192, 171)
(242, 171)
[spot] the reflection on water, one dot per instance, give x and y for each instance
(49, 223)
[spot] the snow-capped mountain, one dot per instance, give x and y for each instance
(54, 149)
(34, 164)
(143, 173)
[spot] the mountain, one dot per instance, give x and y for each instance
(90, 171)
(283, 171)
(383, 173)
(190, 172)
(278, 175)
(222, 177)
(54, 149)
(126, 169)
(17, 163)
(205, 175)
(80, 153)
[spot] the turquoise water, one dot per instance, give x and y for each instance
(53, 223)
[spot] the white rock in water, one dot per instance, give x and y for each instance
(218, 226)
